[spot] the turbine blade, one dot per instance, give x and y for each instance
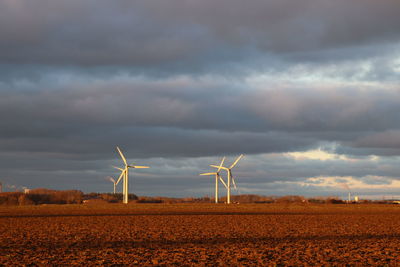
(236, 161)
(215, 166)
(222, 162)
(111, 179)
(122, 156)
(234, 184)
(139, 167)
(120, 177)
(208, 173)
(118, 168)
(223, 182)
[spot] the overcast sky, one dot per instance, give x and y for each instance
(308, 90)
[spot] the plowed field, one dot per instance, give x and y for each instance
(201, 234)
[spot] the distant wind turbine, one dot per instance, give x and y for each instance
(217, 177)
(113, 181)
(346, 186)
(125, 175)
(230, 177)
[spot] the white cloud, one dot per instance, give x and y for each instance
(317, 154)
(354, 183)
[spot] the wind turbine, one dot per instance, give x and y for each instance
(122, 175)
(217, 177)
(230, 177)
(125, 175)
(346, 186)
(112, 180)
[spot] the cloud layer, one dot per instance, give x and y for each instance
(181, 83)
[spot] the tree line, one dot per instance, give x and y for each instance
(48, 196)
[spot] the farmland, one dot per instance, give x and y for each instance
(200, 234)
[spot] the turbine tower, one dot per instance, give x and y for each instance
(230, 177)
(125, 175)
(112, 180)
(217, 177)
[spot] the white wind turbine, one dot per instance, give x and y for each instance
(112, 180)
(125, 175)
(217, 177)
(230, 177)
(122, 175)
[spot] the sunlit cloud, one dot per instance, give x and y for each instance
(369, 183)
(317, 154)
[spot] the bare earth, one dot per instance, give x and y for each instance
(200, 234)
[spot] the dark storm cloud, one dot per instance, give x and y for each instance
(188, 35)
(386, 139)
(328, 109)
(195, 117)
(202, 115)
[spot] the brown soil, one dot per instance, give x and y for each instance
(200, 235)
